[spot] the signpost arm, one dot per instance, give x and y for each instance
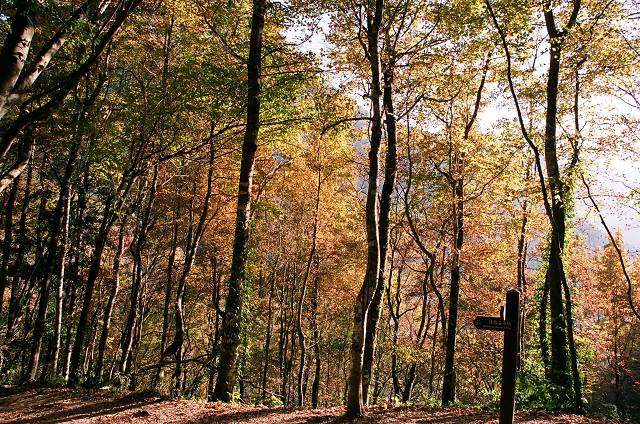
(510, 358)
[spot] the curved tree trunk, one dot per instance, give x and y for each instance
(355, 405)
(383, 231)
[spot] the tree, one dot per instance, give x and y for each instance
(232, 317)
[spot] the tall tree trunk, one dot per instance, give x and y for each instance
(57, 329)
(457, 185)
(15, 299)
(74, 270)
(267, 341)
(394, 313)
(383, 230)
(449, 379)
(315, 385)
(282, 334)
(108, 310)
(312, 254)
(136, 285)
(355, 405)
(555, 271)
(92, 277)
(168, 288)
(232, 319)
(7, 241)
(56, 223)
(216, 280)
(194, 236)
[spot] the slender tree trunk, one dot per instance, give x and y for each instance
(312, 254)
(15, 299)
(315, 385)
(383, 231)
(216, 279)
(231, 322)
(282, 335)
(57, 222)
(394, 314)
(355, 404)
(94, 271)
(7, 241)
(193, 242)
(66, 356)
(457, 184)
(136, 285)
(267, 341)
(449, 379)
(108, 310)
(168, 288)
(57, 329)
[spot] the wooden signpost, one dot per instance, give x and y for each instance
(509, 323)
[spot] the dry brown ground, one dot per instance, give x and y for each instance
(100, 406)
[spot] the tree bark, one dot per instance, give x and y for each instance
(108, 310)
(231, 322)
(7, 241)
(56, 223)
(62, 259)
(383, 230)
(315, 385)
(355, 404)
(94, 271)
(303, 292)
(16, 49)
(194, 236)
(136, 284)
(14, 299)
(267, 341)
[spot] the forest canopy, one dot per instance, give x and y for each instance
(307, 203)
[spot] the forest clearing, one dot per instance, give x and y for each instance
(320, 211)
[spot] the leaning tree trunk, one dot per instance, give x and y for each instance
(232, 319)
(27, 120)
(16, 49)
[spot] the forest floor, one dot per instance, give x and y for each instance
(102, 406)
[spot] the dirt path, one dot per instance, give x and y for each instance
(101, 406)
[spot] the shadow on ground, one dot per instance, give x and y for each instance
(83, 406)
(49, 406)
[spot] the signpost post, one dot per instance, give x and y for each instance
(509, 323)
